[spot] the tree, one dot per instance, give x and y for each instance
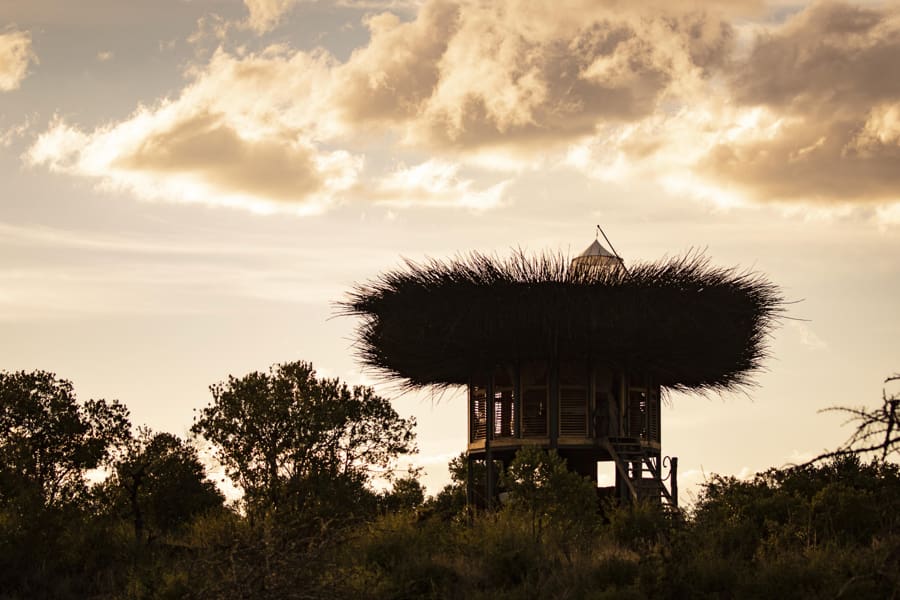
(406, 494)
(159, 484)
(540, 485)
(450, 501)
(295, 443)
(48, 440)
(877, 430)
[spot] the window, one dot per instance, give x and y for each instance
(573, 399)
(644, 413)
(653, 415)
(534, 399)
(504, 403)
(477, 410)
(637, 413)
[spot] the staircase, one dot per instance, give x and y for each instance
(634, 463)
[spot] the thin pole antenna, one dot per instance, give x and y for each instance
(611, 247)
(600, 229)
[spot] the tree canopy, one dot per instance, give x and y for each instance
(290, 439)
(159, 484)
(48, 440)
(315, 528)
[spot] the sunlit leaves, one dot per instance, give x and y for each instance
(286, 436)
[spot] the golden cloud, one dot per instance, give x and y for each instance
(187, 151)
(246, 132)
(465, 75)
(16, 55)
(206, 147)
(265, 14)
(831, 74)
(809, 110)
(435, 183)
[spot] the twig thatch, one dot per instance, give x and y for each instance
(688, 324)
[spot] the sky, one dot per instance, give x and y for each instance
(189, 186)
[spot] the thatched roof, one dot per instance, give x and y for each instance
(687, 323)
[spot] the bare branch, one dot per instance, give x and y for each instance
(876, 429)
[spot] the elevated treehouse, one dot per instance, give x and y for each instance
(569, 355)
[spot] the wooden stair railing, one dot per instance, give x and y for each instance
(629, 450)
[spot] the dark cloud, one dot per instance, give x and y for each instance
(831, 77)
(810, 161)
(831, 57)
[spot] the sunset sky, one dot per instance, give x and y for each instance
(190, 185)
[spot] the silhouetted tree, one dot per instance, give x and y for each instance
(298, 444)
(877, 430)
(159, 484)
(824, 530)
(48, 440)
(541, 487)
(450, 501)
(407, 493)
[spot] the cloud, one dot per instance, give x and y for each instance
(830, 76)
(435, 183)
(278, 127)
(266, 14)
(807, 115)
(199, 158)
(16, 55)
(521, 75)
(208, 146)
(15, 132)
(806, 112)
(234, 137)
(806, 336)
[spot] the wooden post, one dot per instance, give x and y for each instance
(470, 484)
(488, 454)
(553, 405)
(517, 400)
(674, 482)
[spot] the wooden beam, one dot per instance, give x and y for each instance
(620, 467)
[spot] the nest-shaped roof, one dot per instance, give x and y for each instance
(688, 324)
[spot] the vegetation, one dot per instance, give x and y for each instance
(295, 443)
(877, 430)
(310, 524)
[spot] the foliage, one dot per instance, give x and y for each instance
(48, 440)
(406, 494)
(829, 529)
(159, 485)
(801, 532)
(298, 444)
(228, 557)
(450, 502)
(541, 487)
(641, 526)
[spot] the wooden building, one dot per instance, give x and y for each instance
(568, 355)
